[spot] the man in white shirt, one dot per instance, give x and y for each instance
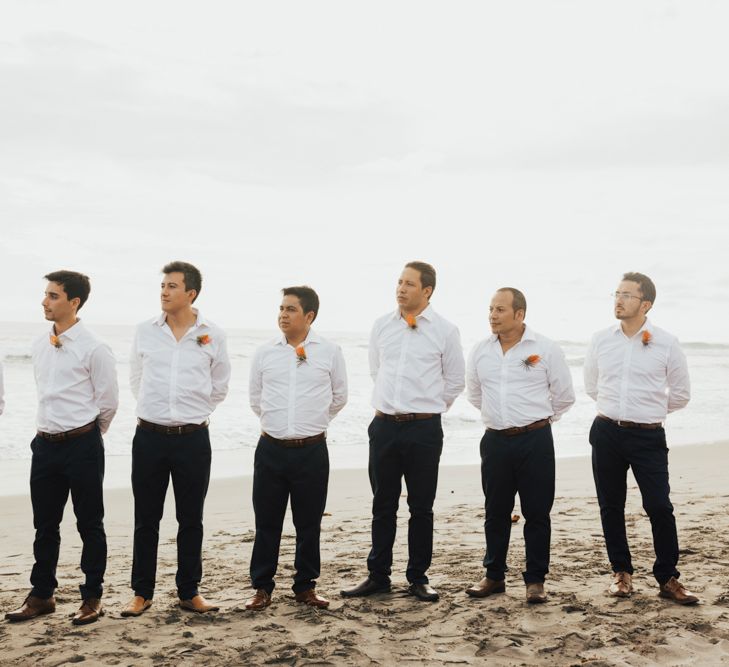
(77, 398)
(637, 373)
(521, 383)
(416, 362)
(179, 372)
(298, 384)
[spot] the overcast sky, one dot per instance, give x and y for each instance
(545, 145)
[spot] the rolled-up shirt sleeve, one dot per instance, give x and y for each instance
(102, 372)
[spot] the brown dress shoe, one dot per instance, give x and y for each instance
(260, 600)
(32, 607)
(622, 586)
(137, 606)
(486, 587)
(312, 599)
(198, 604)
(674, 590)
(535, 593)
(88, 612)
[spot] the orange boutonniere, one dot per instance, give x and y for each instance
(530, 361)
(204, 340)
(56, 342)
(411, 321)
(300, 355)
(646, 338)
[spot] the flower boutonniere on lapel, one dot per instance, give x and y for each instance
(203, 340)
(300, 355)
(646, 338)
(531, 361)
(411, 322)
(56, 342)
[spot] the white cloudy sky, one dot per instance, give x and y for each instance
(546, 145)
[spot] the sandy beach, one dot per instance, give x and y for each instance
(580, 625)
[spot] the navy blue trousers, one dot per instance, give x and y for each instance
(155, 458)
(522, 464)
(280, 473)
(614, 450)
(57, 468)
(410, 450)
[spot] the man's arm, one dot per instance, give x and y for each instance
(677, 378)
(473, 384)
(590, 370)
(220, 370)
(561, 391)
(255, 383)
(102, 372)
(135, 366)
(454, 368)
(374, 353)
(339, 383)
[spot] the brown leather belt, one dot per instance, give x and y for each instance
(171, 430)
(516, 430)
(297, 442)
(624, 424)
(409, 417)
(68, 435)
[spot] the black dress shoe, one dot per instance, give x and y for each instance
(423, 592)
(367, 587)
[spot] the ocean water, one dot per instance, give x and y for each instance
(235, 429)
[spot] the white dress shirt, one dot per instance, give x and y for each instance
(635, 382)
(178, 382)
(417, 370)
(76, 382)
(2, 390)
(297, 399)
(508, 391)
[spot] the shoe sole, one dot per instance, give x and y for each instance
(29, 618)
(345, 594)
(477, 594)
(536, 600)
(620, 594)
(133, 614)
(199, 611)
(89, 620)
(668, 596)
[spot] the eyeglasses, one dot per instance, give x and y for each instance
(625, 295)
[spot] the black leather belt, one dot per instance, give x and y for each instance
(171, 430)
(624, 424)
(409, 417)
(516, 430)
(68, 435)
(296, 442)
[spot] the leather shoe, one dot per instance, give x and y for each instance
(198, 604)
(423, 592)
(486, 587)
(367, 587)
(312, 599)
(535, 593)
(32, 606)
(89, 611)
(622, 586)
(137, 606)
(674, 590)
(260, 600)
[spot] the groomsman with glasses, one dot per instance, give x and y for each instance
(77, 399)
(416, 362)
(637, 374)
(179, 373)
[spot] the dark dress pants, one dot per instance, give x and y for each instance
(410, 450)
(57, 468)
(155, 458)
(301, 473)
(614, 450)
(522, 464)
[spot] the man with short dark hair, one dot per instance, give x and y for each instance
(77, 399)
(179, 373)
(637, 373)
(521, 383)
(298, 384)
(416, 362)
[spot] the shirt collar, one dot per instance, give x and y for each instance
(527, 335)
(73, 332)
(311, 337)
(199, 319)
(646, 325)
(427, 314)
